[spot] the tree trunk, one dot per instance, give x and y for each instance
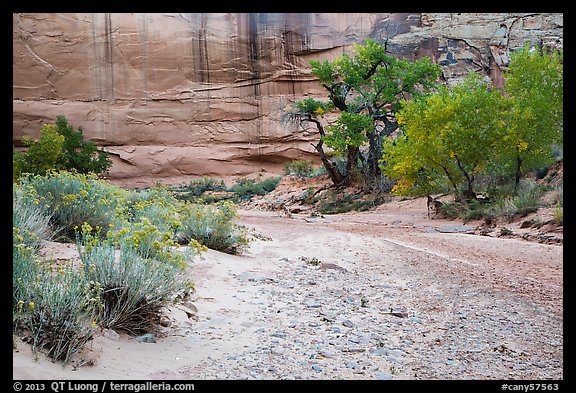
(351, 163)
(375, 138)
(469, 194)
(518, 173)
(332, 170)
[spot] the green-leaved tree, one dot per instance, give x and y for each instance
(452, 134)
(365, 89)
(534, 85)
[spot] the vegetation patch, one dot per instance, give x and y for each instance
(208, 190)
(332, 202)
(133, 245)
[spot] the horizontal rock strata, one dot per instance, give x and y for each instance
(201, 94)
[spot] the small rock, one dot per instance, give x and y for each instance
(325, 353)
(316, 368)
(110, 334)
(312, 303)
(333, 266)
(254, 277)
(190, 311)
(378, 351)
(348, 323)
(146, 338)
(399, 312)
(353, 349)
(318, 219)
(381, 375)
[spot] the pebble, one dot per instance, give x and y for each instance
(312, 303)
(146, 338)
(314, 337)
(381, 375)
(327, 354)
(110, 334)
(348, 323)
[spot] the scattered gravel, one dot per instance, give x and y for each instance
(384, 311)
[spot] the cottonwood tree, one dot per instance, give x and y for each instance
(534, 86)
(365, 90)
(449, 136)
(454, 134)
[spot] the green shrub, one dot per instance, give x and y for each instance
(63, 312)
(134, 289)
(332, 203)
(505, 202)
(242, 190)
(213, 226)
(247, 188)
(60, 146)
(80, 154)
(73, 199)
(200, 186)
(42, 155)
(30, 219)
(300, 168)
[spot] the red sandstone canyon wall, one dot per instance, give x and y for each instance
(201, 94)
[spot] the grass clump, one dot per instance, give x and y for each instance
(300, 168)
(213, 226)
(133, 289)
(559, 214)
(52, 303)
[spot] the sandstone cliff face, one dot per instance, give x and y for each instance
(174, 95)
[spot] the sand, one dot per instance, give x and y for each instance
(382, 294)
